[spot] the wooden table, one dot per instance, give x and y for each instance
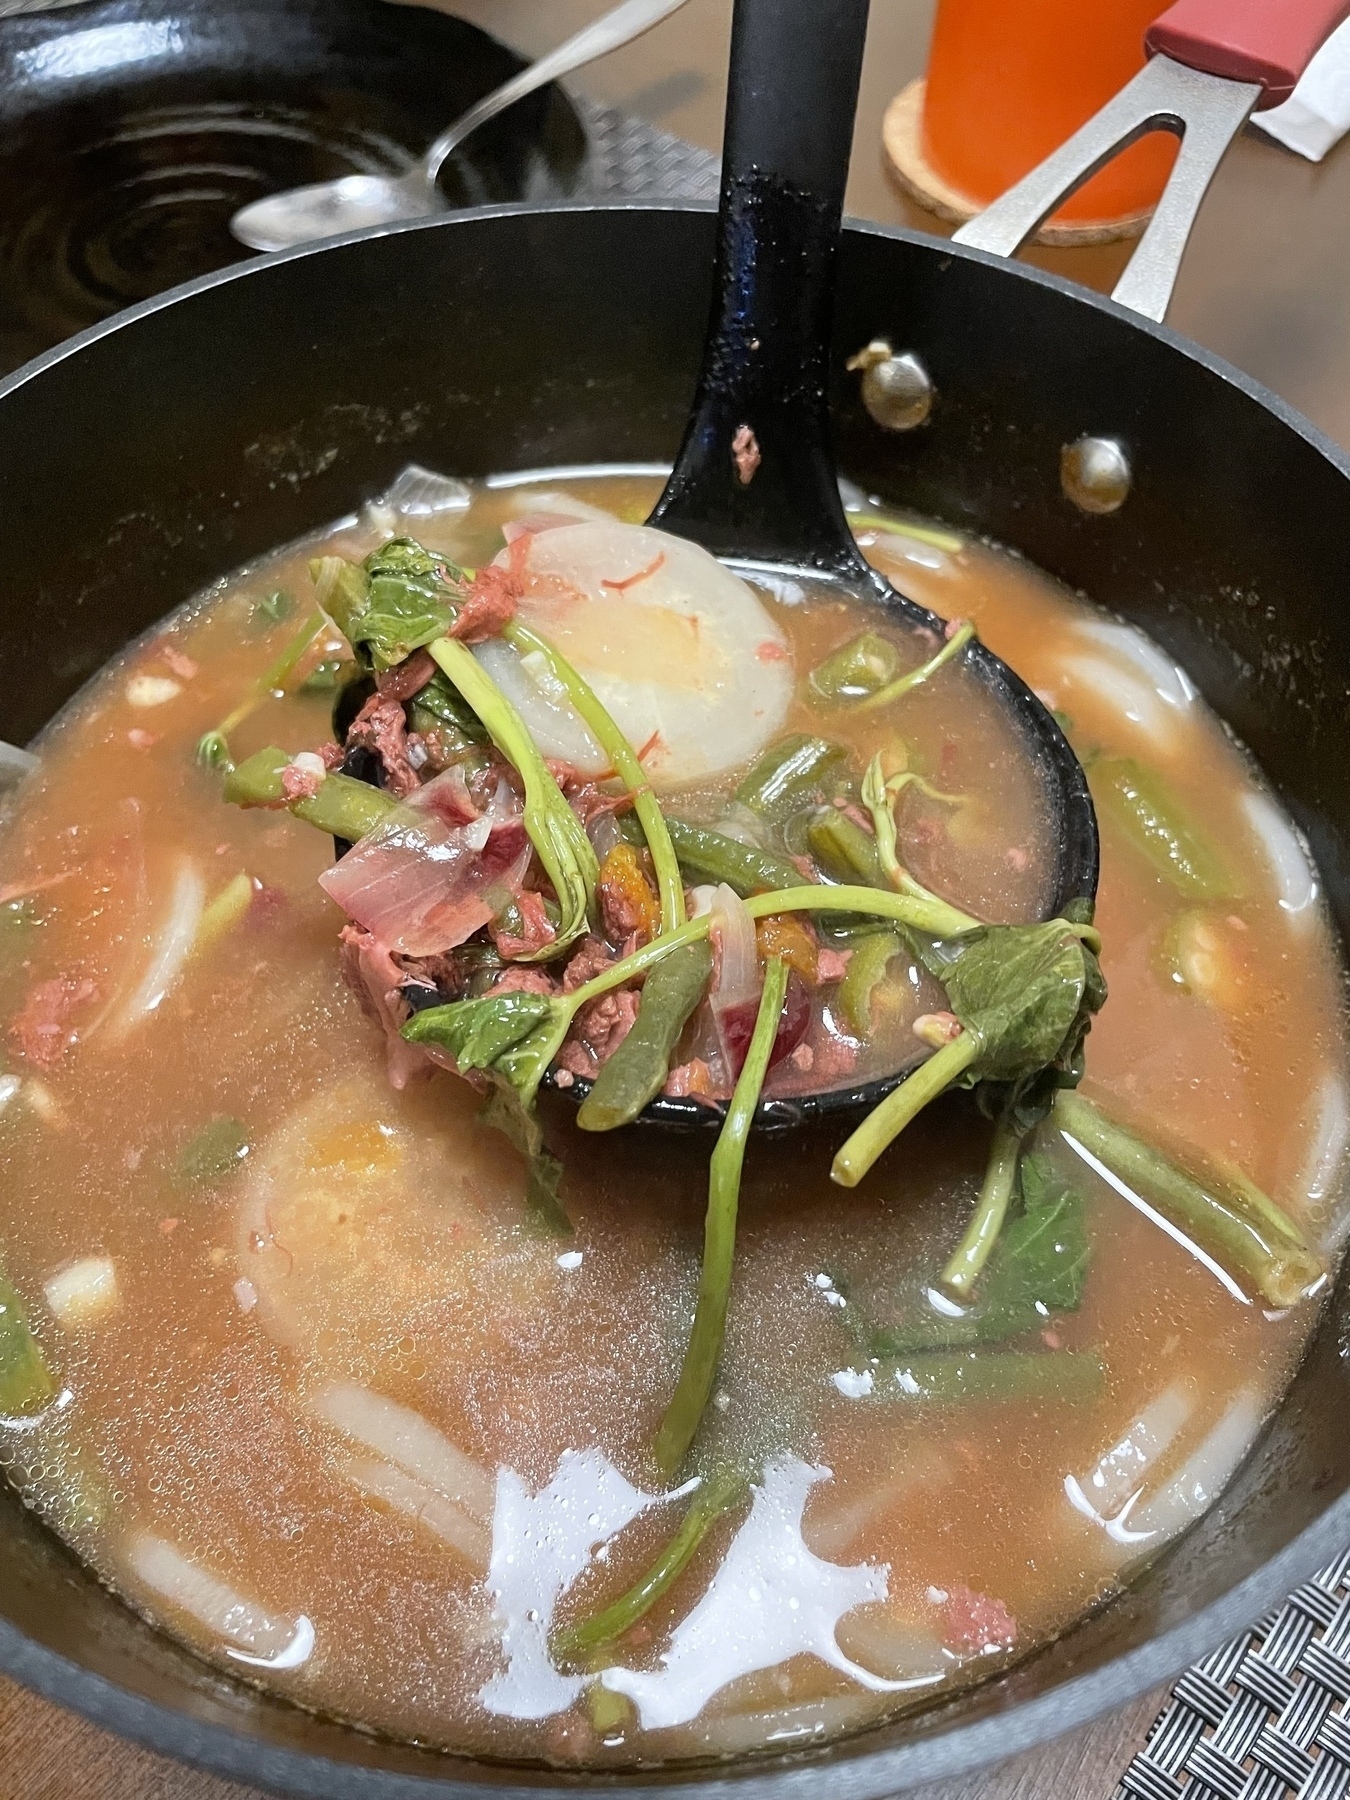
(1266, 284)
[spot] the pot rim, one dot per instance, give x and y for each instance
(855, 1772)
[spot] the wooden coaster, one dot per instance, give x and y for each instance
(902, 135)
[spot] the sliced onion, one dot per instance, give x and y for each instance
(415, 1500)
(404, 1438)
(734, 996)
(247, 1627)
(422, 886)
(171, 948)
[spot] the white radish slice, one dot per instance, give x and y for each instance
(411, 1442)
(382, 1481)
(252, 1634)
(683, 654)
(783, 1728)
(1120, 1473)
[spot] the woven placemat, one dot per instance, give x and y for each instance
(1265, 1717)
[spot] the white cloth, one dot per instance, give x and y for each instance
(1316, 116)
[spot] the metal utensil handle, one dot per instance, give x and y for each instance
(1214, 63)
(1248, 40)
(792, 97)
(610, 32)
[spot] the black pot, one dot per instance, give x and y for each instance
(184, 438)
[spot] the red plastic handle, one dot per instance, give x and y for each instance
(1270, 41)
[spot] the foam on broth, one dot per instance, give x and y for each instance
(308, 1426)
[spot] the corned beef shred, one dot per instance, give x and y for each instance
(380, 726)
(832, 965)
(331, 755)
(376, 980)
(491, 603)
(42, 1031)
(833, 1059)
(408, 677)
(299, 784)
(861, 819)
(592, 959)
(745, 454)
(538, 931)
(603, 1024)
(973, 1621)
(523, 981)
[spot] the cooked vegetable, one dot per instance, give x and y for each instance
(1037, 1270)
(788, 775)
(324, 677)
(439, 706)
(1251, 1237)
(960, 635)
(554, 829)
(625, 763)
(637, 1070)
(866, 663)
(502, 1111)
(872, 954)
(879, 796)
(972, 1253)
(218, 1150)
(342, 807)
(694, 1387)
(586, 1641)
(1142, 804)
(844, 850)
(787, 937)
(402, 598)
(1024, 996)
(712, 857)
(224, 912)
(923, 534)
(83, 1291)
(26, 1381)
(624, 880)
(1210, 955)
(956, 1378)
(273, 609)
(213, 747)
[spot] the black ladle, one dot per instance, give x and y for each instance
(795, 70)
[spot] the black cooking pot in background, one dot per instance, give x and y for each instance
(180, 440)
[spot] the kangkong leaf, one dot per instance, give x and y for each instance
(514, 1036)
(401, 598)
(1028, 991)
(502, 1111)
(1038, 1269)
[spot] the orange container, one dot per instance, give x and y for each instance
(1010, 80)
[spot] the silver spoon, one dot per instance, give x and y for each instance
(326, 208)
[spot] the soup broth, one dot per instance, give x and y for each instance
(317, 1391)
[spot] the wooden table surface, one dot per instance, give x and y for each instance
(1266, 284)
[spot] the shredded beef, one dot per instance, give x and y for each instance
(490, 605)
(973, 1621)
(523, 980)
(381, 727)
(299, 784)
(408, 677)
(832, 965)
(377, 980)
(691, 1081)
(42, 1032)
(603, 1024)
(592, 959)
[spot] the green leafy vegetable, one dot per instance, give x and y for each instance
(588, 1640)
(26, 1380)
(1037, 1270)
(1223, 1212)
(956, 1378)
(1024, 996)
(439, 706)
(558, 836)
(1154, 820)
(788, 774)
(637, 1070)
(323, 678)
(879, 797)
(219, 1149)
(213, 747)
(624, 762)
(704, 1352)
(710, 856)
(402, 598)
(273, 609)
(972, 1253)
(502, 1111)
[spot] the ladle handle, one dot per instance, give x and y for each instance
(795, 70)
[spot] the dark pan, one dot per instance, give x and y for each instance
(132, 130)
(184, 438)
